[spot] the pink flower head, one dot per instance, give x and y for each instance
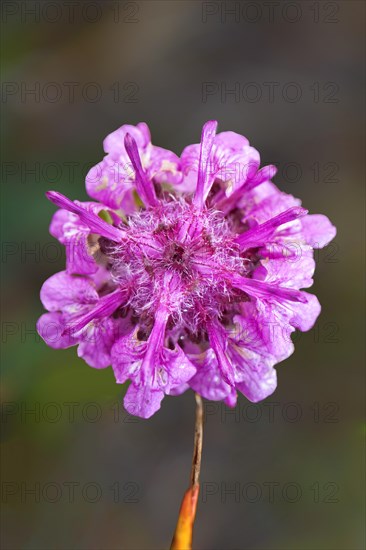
(187, 273)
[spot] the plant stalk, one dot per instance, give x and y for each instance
(182, 539)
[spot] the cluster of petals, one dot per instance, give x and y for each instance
(185, 272)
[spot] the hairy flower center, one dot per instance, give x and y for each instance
(176, 257)
(198, 248)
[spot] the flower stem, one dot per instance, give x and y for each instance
(198, 439)
(182, 539)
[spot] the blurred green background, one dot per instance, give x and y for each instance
(77, 472)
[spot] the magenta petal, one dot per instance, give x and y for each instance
(73, 233)
(96, 342)
(266, 330)
(258, 385)
(113, 180)
(235, 161)
(142, 401)
(144, 185)
(204, 181)
(264, 174)
(105, 307)
(252, 179)
(112, 183)
(62, 290)
(266, 291)
(178, 367)
(149, 362)
(208, 380)
(292, 272)
(317, 230)
(305, 315)
(94, 222)
(51, 327)
(218, 341)
(154, 347)
(261, 234)
(164, 167)
(249, 352)
(114, 143)
(59, 219)
(231, 399)
(67, 228)
(178, 390)
(266, 201)
(78, 259)
(231, 141)
(127, 355)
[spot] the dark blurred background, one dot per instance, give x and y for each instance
(77, 472)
